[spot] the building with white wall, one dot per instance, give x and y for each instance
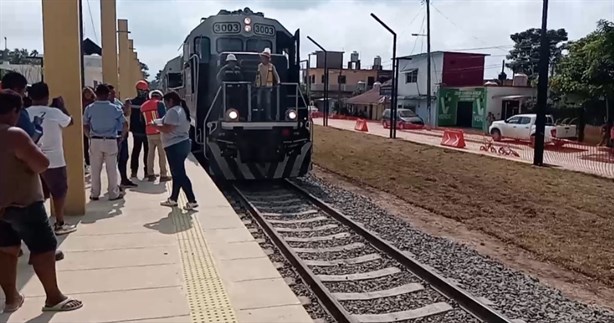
(92, 65)
(447, 69)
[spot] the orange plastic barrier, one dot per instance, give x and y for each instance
(361, 125)
(453, 138)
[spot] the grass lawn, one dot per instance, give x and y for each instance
(560, 216)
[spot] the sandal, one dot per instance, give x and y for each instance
(69, 304)
(11, 309)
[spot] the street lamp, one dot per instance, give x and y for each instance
(542, 89)
(395, 80)
(325, 117)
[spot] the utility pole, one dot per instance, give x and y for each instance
(339, 90)
(82, 59)
(542, 89)
(428, 61)
(308, 80)
(326, 101)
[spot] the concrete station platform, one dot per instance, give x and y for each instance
(137, 261)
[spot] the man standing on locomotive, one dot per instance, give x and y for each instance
(266, 79)
(231, 72)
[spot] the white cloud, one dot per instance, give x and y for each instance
(159, 26)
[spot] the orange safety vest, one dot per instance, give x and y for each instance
(149, 109)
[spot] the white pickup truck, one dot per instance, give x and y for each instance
(522, 127)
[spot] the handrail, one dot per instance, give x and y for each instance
(210, 109)
(249, 84)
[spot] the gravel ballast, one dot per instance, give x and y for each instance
(515, 294)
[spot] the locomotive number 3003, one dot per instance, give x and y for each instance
(227, 28)
(264, 30)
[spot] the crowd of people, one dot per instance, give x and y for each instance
(34, 168)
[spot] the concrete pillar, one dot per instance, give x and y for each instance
(138, 75)
(108, 22)
(62, 71)
(133, 66)
(133, 78)
(125, 85)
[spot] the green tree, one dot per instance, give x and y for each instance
(158, 76)
(145, 70)
(588, 70)
(20, 56)
(523, 58)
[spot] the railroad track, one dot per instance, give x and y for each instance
(357, 276)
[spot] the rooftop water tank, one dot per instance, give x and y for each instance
(377, 61)
(354, 57)
(520, 79)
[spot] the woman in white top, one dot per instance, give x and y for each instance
(175, 128)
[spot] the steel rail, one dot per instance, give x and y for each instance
(464, 299)
(333, 306)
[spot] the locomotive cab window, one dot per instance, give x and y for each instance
(202, 47)
(258, 45)
(229, 45)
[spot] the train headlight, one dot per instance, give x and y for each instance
(232, 115)
(247, 20)
(291, 115)
(248, 28)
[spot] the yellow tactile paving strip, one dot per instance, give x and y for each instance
(207, 297)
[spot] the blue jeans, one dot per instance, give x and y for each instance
(122, 159)
(264, 102)
(176, 155)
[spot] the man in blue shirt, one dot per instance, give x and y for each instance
(122, 155)
(101, 121)
(18, 83)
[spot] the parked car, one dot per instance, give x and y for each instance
(406, 119)
(522, 127)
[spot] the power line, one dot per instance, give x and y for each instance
(416, 16)
(89, 10)
(459, 27)
(422, 40)
(421, 28)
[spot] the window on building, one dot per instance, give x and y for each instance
(341, 79)
(313, 78)
(370, 81)
(229, 45)
(411, 77)
(323, 78)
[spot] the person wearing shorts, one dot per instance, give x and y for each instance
(54, 119)
(18, 83)
(22, 213)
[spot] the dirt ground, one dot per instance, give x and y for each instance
(557, 216)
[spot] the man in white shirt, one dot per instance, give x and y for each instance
(54, 119)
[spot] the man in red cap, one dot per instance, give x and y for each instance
(138, 128)
(154, 109)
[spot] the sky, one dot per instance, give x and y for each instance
(158, 27)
